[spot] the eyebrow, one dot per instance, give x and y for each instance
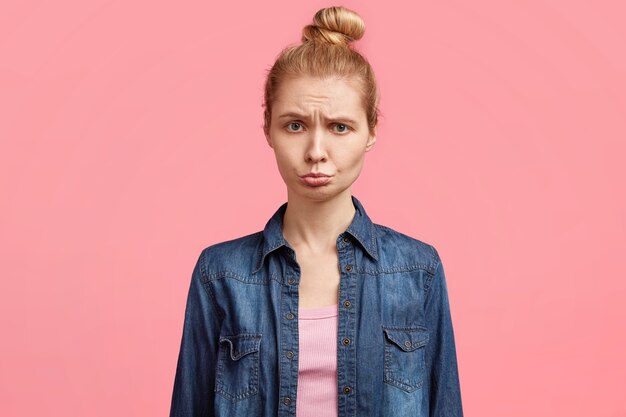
(302, 116)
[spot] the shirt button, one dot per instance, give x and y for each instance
(347, 304)
(348, 268)
(291, 281)
(290, 316)
(407, 343)
(345, 240)
(287, 401)
(289, 354)
(346, 341)
(347, 390)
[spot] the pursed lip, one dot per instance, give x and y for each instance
(315, 175)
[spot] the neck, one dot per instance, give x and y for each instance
(315, 225)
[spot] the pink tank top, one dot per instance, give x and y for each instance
(317, 364)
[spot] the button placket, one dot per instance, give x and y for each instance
(347, 325)
(289, 336)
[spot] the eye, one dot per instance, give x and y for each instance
(296, 124)
(342, 128)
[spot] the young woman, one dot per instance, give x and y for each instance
(323, 312)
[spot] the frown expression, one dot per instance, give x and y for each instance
(319, 126)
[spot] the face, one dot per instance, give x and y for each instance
(319, 126)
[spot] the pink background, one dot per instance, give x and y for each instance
(131, 139)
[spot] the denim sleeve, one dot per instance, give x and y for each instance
(444, 391)
(193, 393)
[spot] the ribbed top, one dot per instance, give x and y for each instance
(312, 313)
(317, 364)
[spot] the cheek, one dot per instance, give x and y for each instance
(349, 158)
(282, 154)
(284, 159)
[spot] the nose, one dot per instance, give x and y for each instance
(316, 147)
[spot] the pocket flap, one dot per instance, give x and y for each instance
(407, 339)
(242, 344)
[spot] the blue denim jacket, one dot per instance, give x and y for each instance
(395, 345)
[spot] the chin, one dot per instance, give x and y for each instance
(323, 193)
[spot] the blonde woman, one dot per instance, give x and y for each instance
(324, 312)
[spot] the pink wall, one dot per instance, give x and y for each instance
(130, 133)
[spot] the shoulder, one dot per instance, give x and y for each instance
(400, 249)
(231, 258)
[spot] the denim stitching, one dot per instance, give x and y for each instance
(389, 377)
(253, 389)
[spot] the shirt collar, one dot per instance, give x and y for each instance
(361, 228)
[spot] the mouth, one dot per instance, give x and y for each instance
(315, 180)
(315, 175)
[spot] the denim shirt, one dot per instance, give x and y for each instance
(395, 343)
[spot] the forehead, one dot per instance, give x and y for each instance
(332, 93)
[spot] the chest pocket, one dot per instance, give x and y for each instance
(404, 356)
(237, 370)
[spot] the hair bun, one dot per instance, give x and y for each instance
(336, 25)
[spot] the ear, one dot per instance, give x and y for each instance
(268, 138)
(370, 142)
(266, 127)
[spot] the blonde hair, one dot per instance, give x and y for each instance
(326, 51)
